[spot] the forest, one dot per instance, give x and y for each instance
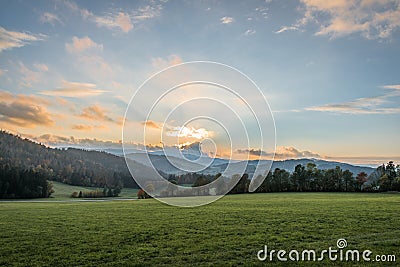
(26, 165)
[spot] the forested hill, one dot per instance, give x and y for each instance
(70, 166)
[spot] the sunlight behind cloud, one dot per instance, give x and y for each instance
(189, 132)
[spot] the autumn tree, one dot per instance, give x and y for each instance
(361, 178)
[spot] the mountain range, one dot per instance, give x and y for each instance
(179, 161)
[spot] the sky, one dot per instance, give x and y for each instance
(328, 69)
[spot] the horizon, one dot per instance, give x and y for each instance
(362, 162)
(328, 71)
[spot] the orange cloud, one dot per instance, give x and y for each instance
(10, 39)
(74, 89)
(96, 113)
(151, 124)
(24, 111)
(121, 20)
(85, 127)
(79, 45)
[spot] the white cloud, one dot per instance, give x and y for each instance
(367, 105)
(249, 32)
(188, 132)
(11, 39)
(227, 20)
(75, 89)
(373, 19)
(147, 12)
(287, 28)
(81, 44)
(394, 86)
(50, 18)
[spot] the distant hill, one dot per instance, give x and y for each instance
(218, 165)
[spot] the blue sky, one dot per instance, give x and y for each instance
(329, 69)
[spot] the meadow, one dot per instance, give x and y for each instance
(228, 232)
(64, 191)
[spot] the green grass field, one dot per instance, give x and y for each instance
(228, 232)
(64, 191)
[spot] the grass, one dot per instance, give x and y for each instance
(228, 232)
(64, 191)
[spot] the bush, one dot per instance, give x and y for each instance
(142, 194)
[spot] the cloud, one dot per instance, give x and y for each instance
(82, 11)
(96, 66)
(58, 140)
(373, 19)
(249, 32)
(227, 20)
(120, 20)
(28, 76)
(151, 124)
(79, 45)
(287, 28)
(281, 152)
(365, 105)
(350, 108)
(253, 152)
(162, 63)
(89, 58)
(24, 111)
(11, 39)
(41, 67)
(85, 127)
(96, 113)
(74, 89)
(188, 132)
(86, 51)
(117, 20)
(50, 18)
(394, 86)
(147, 12)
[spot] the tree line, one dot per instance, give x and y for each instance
(309, 178)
